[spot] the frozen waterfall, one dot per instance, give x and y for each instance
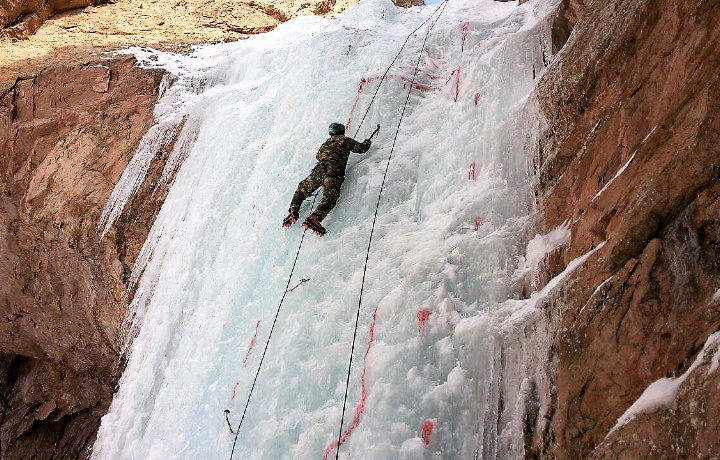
(446, 267)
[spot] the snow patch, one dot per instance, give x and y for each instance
(575, 263)
(716, 296)
(157, 138)
(521, 309)
(715, 362)
(542, 245)
(595, 292)
(662, 392)
(649, 134)
(620, 171)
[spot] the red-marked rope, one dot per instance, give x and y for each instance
(360, 408)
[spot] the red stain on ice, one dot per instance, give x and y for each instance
(422, 316)
(366, 80)
(477, 223)
(455, 73)
(471, 171)
(252, 345)
(415, 85)
(476, 98)
(431, 61)
(357, 99)
(253, 341)
(363, 394)
(431, 74)
(234, 391)
(427, 429)
(464, 29)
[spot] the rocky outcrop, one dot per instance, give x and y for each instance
(66, 135)
(631, 159)
(408, 3)
(685, 428)
(97, 25)
(20, 18)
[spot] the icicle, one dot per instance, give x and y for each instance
(156, 139)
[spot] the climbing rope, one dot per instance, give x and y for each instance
(377, 205)
(267, 343)
(382, 79)
(302, 239)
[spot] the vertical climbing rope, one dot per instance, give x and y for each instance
(267, 343)
(440, 8)
(377, 207)
(382, 79)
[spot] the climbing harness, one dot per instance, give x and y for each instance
(377, 207)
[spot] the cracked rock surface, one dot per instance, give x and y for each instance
(66, 135)
(632, 158)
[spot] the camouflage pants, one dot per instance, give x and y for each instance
(331, 190)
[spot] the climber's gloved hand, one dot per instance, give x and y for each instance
(367, 142)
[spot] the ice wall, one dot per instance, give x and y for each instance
(447, 244)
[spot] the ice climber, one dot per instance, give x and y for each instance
(329, 172)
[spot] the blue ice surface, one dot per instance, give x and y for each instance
(251, 115)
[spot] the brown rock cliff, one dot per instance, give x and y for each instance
(20, 18)
(66, 135)
(632, 158)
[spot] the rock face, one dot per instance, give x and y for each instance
(96, 25)
(66, 135)
(632, 159)
(20, 18)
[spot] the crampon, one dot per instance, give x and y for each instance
(313, 223)
(292, 217)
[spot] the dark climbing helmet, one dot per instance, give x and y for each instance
(337, 128)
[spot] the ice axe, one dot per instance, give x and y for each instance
(374, 133)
